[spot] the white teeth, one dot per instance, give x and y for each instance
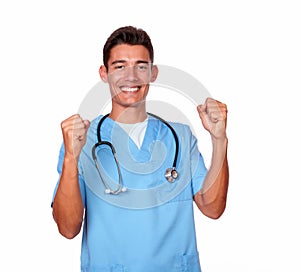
(128, 89)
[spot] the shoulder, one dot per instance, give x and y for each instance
(177, 126)
(181, 128)
(92, 131)
(184, 133)
(94, 123)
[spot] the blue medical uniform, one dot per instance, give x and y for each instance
(150, 227)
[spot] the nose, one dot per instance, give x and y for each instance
(131, 73)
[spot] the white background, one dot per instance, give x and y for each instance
(246, 53)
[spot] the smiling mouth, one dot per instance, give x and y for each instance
(128, 89)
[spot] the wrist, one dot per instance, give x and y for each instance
(70, 163)
(222, 140)
(71, 157)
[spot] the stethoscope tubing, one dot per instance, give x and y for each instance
(174, 135)
(120, 187)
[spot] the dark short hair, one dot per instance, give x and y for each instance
(127, 35)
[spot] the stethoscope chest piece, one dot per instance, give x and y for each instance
(171, 174)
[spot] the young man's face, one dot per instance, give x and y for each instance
(128, 74)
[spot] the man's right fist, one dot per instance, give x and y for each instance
(74, 131)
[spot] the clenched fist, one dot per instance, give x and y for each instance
(213, 115)
(74, 131)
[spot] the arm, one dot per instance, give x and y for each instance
(211, 199)
(68, 208)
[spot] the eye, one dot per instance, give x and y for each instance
(119, 67)
(142, 67)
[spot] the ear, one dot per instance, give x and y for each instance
(154, 73)
(103, 73)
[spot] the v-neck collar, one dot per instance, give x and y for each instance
(136, 131)
(113, 129)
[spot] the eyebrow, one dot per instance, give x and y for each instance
(124, 61)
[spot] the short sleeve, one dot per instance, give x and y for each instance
(198, 168)
(59, 170)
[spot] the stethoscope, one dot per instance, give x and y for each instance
(171, 173)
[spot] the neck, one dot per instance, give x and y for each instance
(129, 115)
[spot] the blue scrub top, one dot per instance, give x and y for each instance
(150, 227)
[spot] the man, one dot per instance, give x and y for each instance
(143, 222)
